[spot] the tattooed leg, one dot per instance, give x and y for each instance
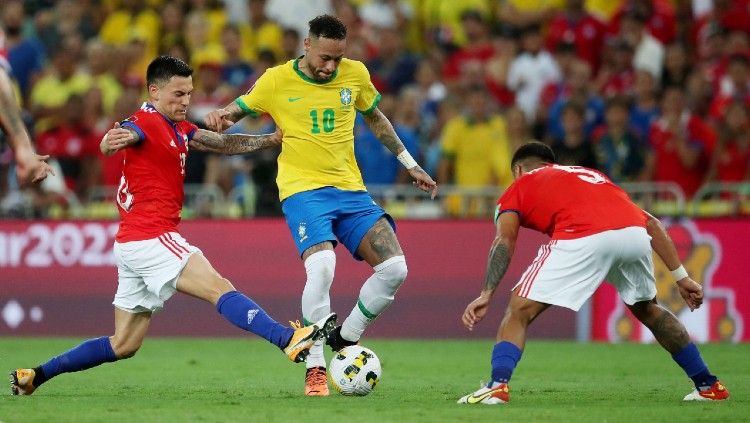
(667, 329)
(380, 249)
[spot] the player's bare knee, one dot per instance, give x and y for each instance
(124, 349)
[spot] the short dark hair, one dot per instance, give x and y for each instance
(161, 69)
(533, 150)
(327, 26)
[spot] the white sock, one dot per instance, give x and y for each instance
(375, 296)
(316, 300)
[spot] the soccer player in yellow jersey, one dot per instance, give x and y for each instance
(314, 100)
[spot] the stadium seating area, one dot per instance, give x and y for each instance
(655, 93)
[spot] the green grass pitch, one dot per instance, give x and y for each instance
(241, 380)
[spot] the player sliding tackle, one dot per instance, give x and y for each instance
(597, 233)
(153, 260)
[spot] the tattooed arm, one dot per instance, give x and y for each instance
(382, 128)
(498, 261)
(221, 119)
(233, 143)
(30, 167)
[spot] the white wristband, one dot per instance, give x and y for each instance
(679, 273)
(406, 159)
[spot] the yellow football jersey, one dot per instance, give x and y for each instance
(318, 123)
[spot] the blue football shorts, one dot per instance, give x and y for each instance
(331, 214)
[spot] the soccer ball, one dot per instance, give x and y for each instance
(355, 370)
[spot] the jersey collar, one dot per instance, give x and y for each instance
(151, 106)
(302, 75)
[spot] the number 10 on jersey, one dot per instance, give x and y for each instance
(328, 121)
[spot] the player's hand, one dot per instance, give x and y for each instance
(31, 167)
(116, 139)
(423, 181)
(475, 311)
(218, 120)
(691, 291)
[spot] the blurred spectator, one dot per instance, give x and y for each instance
(575, 25)
(531, 71)
(577, 88)
(213, 12)
(172, 22)
(676, 65)
(476, 50)
(236, 71)
(51, 92)
(99, 59)
(260, 33)
(574, 148)
(519, 132)
(67, 18)
(730, 161)
(645, 108)
(393, 65)
(735, 86)
(616, 76)
(201, 49)
(699, 94)
(682, 144)
(291, 45)
(210, 91)
(498, 65)
(296, 13)
(442, 21)
(709, 46)
(25, 54)
(133, 20)
(732, 15)
(388, 14)
(620, 153)
(75, 146)
(521, 13)
(94, 116)
(250, 179)
(378, 164)
(659, 18)
(649, 51)
(475, 149)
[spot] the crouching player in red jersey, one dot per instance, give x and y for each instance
(153, 260)
(597, 234)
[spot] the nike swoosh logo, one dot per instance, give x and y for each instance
(293, 99)
(473, 399)
(708, 394)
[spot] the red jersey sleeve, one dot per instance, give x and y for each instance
(510, 201)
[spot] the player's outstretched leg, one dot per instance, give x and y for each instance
(305, 336)
(130, 330)
(673, 336)
(244, 313)
(86, 355)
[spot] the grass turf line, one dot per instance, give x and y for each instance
(232, 379)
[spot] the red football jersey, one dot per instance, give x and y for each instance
(151, 189)
(568, 202)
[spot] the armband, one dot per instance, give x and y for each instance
(406, 159)
(679, 273)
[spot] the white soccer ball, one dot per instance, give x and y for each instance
(355, 370)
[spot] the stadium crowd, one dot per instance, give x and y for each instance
(644, 90)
